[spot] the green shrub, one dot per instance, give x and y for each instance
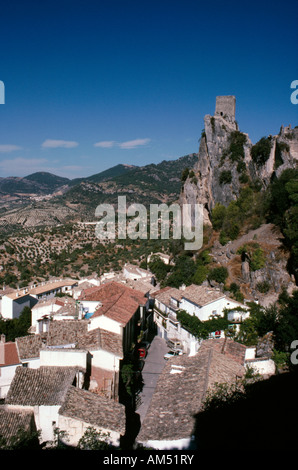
(219, 274)
(225, 177)
(236, 146)
(261, 150)
(184, 174)
(218, 215)
(263, 287)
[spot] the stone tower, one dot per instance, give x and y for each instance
(225, 107)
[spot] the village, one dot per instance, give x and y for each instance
(110, 353)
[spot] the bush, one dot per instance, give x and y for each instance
(218, 215)
(261, 150)
(184, 174)
(218, 274)
(263, 287)
(236, 149)
(225, 177)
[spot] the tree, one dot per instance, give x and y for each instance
(218, 216)
(261, 150)
(219, 274)
(17, 327)
(93, 440)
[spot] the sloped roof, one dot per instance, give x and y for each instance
(94, 410)
(117, 301)
(41, 289)
(30, 345)
(102, 339)
(201, 295)
(164, 295)
(66, 331)
(12, 421)
(43, 386)
(181, 390)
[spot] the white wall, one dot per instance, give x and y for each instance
(178, 444)
(105, 360)
(6, 376)
(90, 305)
(13, 308)
(39, 311)
(75, 429)
(63, 358)
(213, 308)
(46, 419)
(262, 366)
(105, 323)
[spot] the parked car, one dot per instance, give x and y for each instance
(172, 353)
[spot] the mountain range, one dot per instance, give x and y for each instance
(46, 199)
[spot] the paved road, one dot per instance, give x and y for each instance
(154, 364)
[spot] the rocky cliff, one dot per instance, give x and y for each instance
(228, 163)
(227, 159)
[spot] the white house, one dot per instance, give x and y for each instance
(58, 308)
(42, 391)
(120, 310)
(201, 301)
(13, 303)
(130, 271)
(54, 396)
(82, 409)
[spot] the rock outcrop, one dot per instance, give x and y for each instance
(227, 159)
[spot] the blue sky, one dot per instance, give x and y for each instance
(90, 84)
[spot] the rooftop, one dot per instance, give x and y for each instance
(164, 295)
(11, 422)
(117, 301)
(201, 295)
(41, 288)
(94, 409)
(43, 386)
(67, 332)
(181, 390)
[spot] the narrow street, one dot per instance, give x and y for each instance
(154, 364)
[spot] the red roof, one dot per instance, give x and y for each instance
(118, 301)
(9, 354)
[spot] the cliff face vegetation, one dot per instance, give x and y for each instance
(249, 193)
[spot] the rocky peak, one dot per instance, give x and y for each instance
(227, 159)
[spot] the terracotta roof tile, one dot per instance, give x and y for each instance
(117, 301)
(12, 421)
(181, 390)
(43, 386)
(94, 409)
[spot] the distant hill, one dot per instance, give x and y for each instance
(105, 175)
(63, 200)
(48, 180)
(149, 184)
(37, 183)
